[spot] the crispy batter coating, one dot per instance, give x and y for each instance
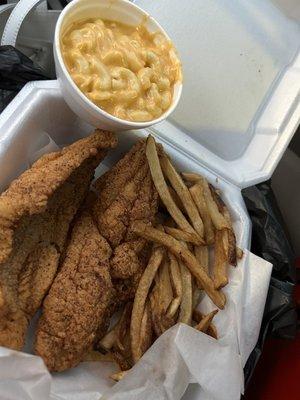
(110, 184)
(126, 193)
(35, 214)
(76, 306)
(124, 254)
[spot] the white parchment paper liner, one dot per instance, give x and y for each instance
(179, 357)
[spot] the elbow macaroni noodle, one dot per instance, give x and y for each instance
(126, 71)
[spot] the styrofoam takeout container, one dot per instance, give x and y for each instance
(122, 11)
(239, 109)
(39, 120)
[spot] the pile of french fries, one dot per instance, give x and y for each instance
(193, 245)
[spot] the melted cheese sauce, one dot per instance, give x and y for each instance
(125, 70)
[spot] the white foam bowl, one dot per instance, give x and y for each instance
(117, 10)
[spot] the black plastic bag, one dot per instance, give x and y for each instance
(16, 70)
(270, 241)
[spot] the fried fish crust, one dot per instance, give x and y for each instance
(126, 193)
(76, 307)
(35, 213)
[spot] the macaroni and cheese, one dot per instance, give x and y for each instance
(125, 70)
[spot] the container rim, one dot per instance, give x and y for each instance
(84, 98)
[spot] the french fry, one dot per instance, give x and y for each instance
(205, 322)
(199, 199)
(160, 321)
(140, 299)
(123, 360)
(176, 283)
(239, 253)
(220, 262)
(230, 247)
(123, 328)
(183, 193)
(162, 297)
(197, 315)
(118, 376)
(93, 355)
(216, 216)
(212, 330)
(229, 238)
(232, 255)
(145, 330)
(155, 312)
(202, 255)
(196, 296)
(186, 306)
(165, 286)
(109, 339)
(177, 199)
(173, 308)
(162, 187)
(184, 236)
(183, 254)
(115, 336)
(191, 177)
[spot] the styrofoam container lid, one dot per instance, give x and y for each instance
(240, 102)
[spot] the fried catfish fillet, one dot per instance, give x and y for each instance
(126, 193)
(75, 308)
(35, 214)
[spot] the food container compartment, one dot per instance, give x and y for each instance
(39, 121)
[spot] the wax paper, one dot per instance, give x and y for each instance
(180, 356)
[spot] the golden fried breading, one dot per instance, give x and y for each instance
(124, 254)
(110, 184)
(126, 194)
(76, 307)
(36, 276)
(35, 214)
(114, 221)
